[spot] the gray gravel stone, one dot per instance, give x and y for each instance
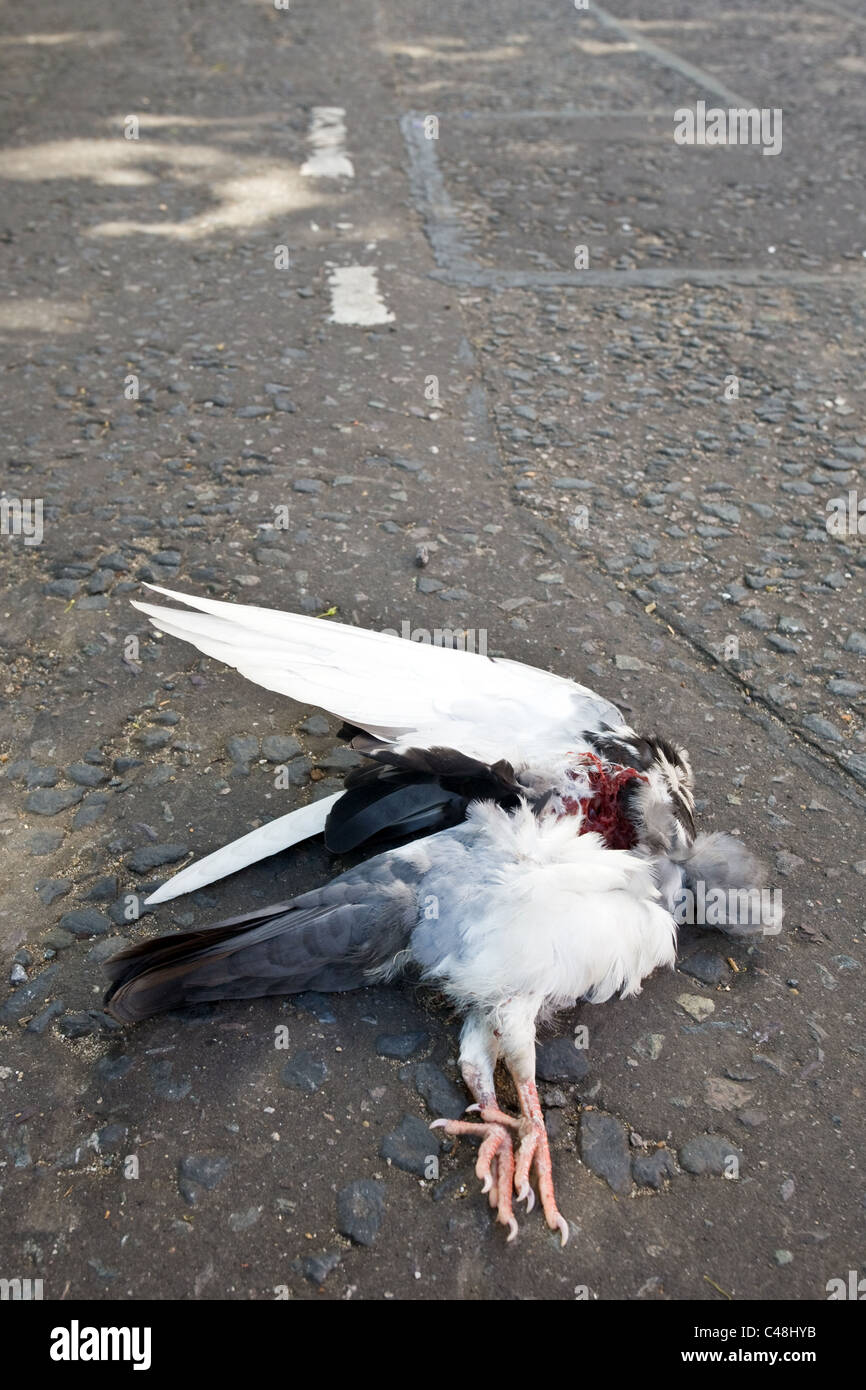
(62, 588)
(847, 689)
(40, 1022)
(153, 856)
(706, 966)
(341, 760)
(316, 1268)
(298, 771)
(604, 1149)
(56, 939)
(29, 772)
(77, 1025)
(242, 750)
(272, 557)
(304, 1072)
(817, 724)
(360, 1209)
(103, 890)
(751, 1117)
(316, 724)
(651, 1170)
(279, 748)
(401, 1046)
(50, 889)
(198, 1171)
(560, 1060)
(319, 1005)
(725, 511)
(121, 765)
(154, 739)
(23, 1000)
(244, 1220)
(440, 1095)
(709, 1153)
(90, 811)
(84, 922)
(411, 1146)
(50, 801)
(84, 775)
(165, 1084)
(105, 948)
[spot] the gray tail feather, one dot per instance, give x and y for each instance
(719, 860)
(320, 941)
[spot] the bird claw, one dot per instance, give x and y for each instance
(526, 1195)
(495, 1164)
(503, 1174)
(534, 1153)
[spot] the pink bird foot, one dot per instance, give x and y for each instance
(495, 1164)
(497, 1167)
(534, 1153)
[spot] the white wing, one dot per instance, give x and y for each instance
(408, 693)
(269, 839)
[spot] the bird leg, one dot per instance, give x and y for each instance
(495, 1164)
(534, 1151)
(516, 1032)
(498, 1168)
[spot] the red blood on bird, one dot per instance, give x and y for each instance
(601, 808)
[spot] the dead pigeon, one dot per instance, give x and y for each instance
(535, 850)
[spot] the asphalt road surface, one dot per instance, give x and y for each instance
(288, 294)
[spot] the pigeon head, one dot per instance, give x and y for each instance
(661, 804)
(673, 768)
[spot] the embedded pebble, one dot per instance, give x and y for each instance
(711, 1153)
(360, 1209)
(153, 856)
(440, 1095)
(84, 922)
(706, 966)
(651, 1170)
(316, 1268)
(411, 1146)
(50, 801)
(279, 748)
(50, 889)
(23, 1000)
(401, 1046)
(304, 1072)
(197, 1171)
(604, 1149)
(697, 1006)
(560, 1060)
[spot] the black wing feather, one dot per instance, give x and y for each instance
(417, 791)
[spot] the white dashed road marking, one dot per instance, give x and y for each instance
(355, 297)
(327, 136)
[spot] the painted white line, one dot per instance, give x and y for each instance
(355, 297)
(327, 136)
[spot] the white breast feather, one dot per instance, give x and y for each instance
(548, 914)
